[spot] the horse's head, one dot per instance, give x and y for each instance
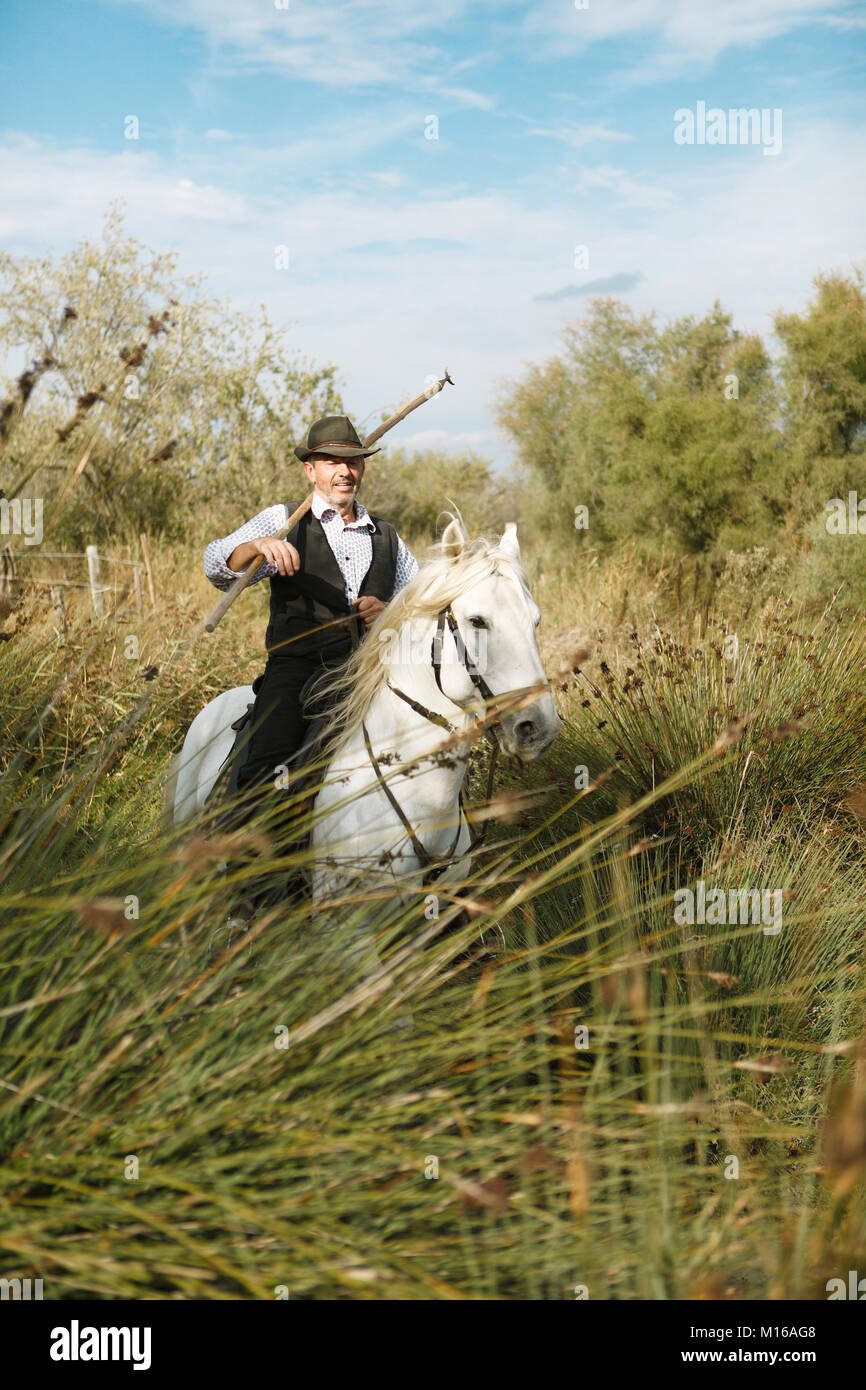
(497, 619)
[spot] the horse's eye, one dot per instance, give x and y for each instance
(479, 622)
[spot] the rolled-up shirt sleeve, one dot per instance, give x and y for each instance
(265, 523)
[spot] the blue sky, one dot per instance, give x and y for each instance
(304, 126)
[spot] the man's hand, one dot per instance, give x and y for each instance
(279, 553)
(275, 551)
(369, 608)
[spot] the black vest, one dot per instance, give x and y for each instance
(317, 594)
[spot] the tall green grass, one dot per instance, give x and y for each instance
(183, 1115)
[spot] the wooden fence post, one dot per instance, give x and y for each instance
(136, 574)
(146, 553)
(96, 595)
(8, 571)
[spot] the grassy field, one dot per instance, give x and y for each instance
(619, 1104)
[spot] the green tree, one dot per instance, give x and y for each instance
(414, 488)
(666, 436)
(168, 404)
(823, 376)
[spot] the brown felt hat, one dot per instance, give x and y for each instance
(334, 434)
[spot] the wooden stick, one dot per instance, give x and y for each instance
(252, 569)
(407, 410)
(221, 608)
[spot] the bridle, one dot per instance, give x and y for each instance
(446, 614)
(435, 865)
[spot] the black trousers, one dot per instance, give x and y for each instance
(279, 722)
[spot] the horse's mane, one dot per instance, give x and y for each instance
(453, 565)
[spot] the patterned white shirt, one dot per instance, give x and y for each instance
(351, 544)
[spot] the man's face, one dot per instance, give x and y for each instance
(336, 479)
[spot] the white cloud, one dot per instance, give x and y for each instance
(383, 40)
(579, 136)
(628, 190)
(681, 33)
(217, 134)
(751, 232)
(413, 46)
(310, 154)
(388, 178)
(365, 43)
(467, 97)
(64, 191)
(845, 22)
(475, 441)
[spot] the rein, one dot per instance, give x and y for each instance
(435, 865)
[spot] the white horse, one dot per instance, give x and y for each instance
(453, 653)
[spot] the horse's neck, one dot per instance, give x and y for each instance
(394, 726)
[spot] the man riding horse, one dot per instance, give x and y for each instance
(330, 579)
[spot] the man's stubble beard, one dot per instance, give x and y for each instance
(343, 501)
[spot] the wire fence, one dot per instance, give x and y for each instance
(66, 573)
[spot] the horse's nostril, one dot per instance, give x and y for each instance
(525, 730)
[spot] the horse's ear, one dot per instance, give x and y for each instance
(453, 540)
(509, 542)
